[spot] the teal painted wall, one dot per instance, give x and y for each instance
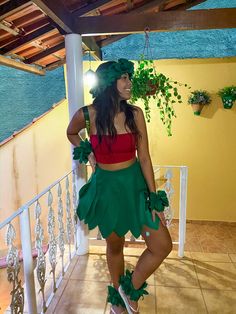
(24, 96)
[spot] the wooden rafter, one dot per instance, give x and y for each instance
(10, 28)
(45, 53)
(162, 21)
(58, 13)
(20, 65)
(110, 40)
(152, 6)
(55, 65)
(27, 39)
(27, 29)
(90, 7)
(62, 17)
(12, 6)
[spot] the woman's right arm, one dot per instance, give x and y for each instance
(76, 124)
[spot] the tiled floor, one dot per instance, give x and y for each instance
(204, 281)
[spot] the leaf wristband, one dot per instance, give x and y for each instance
(82, 151)
(158, 200)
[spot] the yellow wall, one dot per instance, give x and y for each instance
(205, 144)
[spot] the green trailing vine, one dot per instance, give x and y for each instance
(149, 85)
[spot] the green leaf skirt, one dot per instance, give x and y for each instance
(116, 201)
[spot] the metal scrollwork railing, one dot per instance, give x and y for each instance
(61, 237)
(41, 261)
(68, 216)
(169, 212)
(75, 203)
(13, 270)
(59, 232)
(52, 239)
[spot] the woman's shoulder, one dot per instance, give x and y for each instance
(137, 111)
(91, 110)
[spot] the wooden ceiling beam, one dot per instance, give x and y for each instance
(148, 7)
(57, 12)
(10, 28)
(159, 22)
(27, 39)
(11, 7)
(28, 29)
(89, 43)
(64, 19)
(89, 8)
(45, 53)
(20, 66)
(111, 39)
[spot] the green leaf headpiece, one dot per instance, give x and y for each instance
(108, 75)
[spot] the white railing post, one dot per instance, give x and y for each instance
(28, 261)
(75, 92)
(182, 209)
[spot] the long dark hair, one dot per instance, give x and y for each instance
(107, 104)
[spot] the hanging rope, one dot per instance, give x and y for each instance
(147, 51)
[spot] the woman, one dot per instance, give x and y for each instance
(121, 195)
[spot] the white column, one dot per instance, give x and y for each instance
(182, 208)
(75, 91)
(28, 261)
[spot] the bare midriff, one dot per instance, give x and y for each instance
(117, 166)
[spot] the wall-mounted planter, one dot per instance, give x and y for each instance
(197, 99)
(228, 96)
(197, 108)
(228, 102)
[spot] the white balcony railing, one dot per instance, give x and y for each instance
(54, 210)
(54, 247)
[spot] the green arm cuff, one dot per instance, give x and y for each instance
(158, 200)
(82, 151)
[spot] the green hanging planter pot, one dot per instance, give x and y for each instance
(228, 96)
(228, 102)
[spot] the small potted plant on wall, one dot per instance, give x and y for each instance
(149, 85)
(228, 96)
(197, 99)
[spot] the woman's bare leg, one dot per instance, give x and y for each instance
(115, 262)
(159, 245)
(115, 257)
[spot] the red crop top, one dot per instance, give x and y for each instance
(122, 148)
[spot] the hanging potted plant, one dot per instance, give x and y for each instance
(198, 99)
(228, 96)
(147, 85)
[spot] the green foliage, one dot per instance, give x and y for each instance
(199, 97)
(228, 91)
(148, 85)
